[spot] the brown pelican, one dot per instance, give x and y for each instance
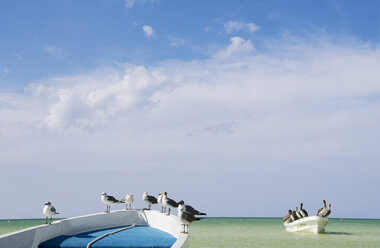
(303, 212)
(328, 211)
(298, 214)
(287, 217)
(322, 211)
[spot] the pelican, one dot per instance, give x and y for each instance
(293, 215)
(303, 212)
(322, 211)
(299, 216)
(328, 211)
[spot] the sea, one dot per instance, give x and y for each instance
(260, 232)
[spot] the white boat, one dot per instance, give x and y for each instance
(119, 224)
(314, 224)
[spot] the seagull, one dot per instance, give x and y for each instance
(109, 200)
(322, 211)
(49, 211)
(190, 209)
(299, 215)
(128, 199)
(186, 218)
(303, 212)
(328, 211)
(168, 202)
(159, 201)
(149, 199)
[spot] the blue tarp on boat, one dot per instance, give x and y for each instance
(135, 237)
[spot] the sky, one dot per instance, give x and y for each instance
(239, 108)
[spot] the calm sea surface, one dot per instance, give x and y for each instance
(261, 232)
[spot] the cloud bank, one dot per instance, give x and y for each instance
(234, 118)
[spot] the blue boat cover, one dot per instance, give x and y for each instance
(135, 237)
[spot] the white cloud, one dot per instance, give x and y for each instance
(233, 26)
(238, 47)
(132, 3)
(148, 30)
(129, 3)
(264, 115)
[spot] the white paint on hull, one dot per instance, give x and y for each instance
(314, 224)
(32, 237)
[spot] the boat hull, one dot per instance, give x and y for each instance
(313, 224)
(32, 237)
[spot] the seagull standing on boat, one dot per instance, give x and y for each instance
(109, 200)
(190, 209)
(169, 203)
(303, 212)
(159, 201)
(322, 211)
(328, 211)
(299, 216)
(149, 199)
(128, 199)
(49, 211)
(185, 217)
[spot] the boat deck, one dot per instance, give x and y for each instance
(137, 236)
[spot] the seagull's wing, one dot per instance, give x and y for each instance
(172, 202)
(111, 198)
(189, 217)
(193, 211)
(52, 209)
(152, 199)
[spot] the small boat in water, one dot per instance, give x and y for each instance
(121, 228)
(314, 224)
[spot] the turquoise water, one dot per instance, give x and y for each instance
(262, 232)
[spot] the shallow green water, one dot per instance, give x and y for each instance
(261, 232)
(270, 232)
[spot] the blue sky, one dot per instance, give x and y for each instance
(240, 108)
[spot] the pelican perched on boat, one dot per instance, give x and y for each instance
(293, 215)
(299, 215)
(322, 211)
(303, 212)
(287, 217)
(328, 211)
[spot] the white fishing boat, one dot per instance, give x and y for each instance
(314, 224)
(121, 228)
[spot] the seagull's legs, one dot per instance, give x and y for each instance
(168, 212)
(46, 220)
(149, 207)
(50, 220)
